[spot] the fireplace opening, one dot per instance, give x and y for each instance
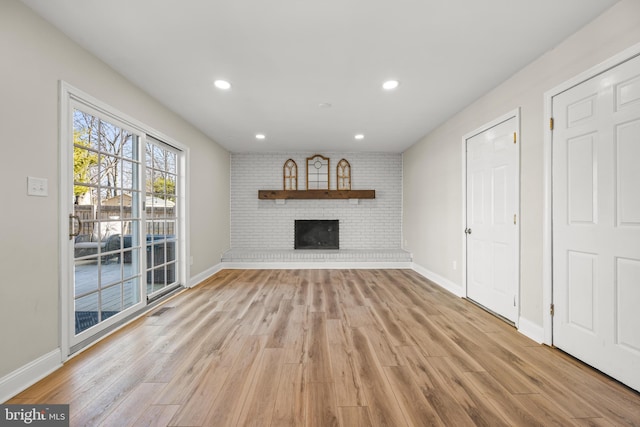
(317, 234)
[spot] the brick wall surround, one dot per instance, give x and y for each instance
(369, 225)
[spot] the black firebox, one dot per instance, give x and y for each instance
(317, 234)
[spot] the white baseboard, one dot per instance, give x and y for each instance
(531, 330)
(29, 374)
(439, 280)
(336, 265)
(525, 327)
(200, 277)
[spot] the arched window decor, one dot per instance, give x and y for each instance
(317, 173)
(290, 175)
(343, 172)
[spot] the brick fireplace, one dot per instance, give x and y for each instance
(263, 229)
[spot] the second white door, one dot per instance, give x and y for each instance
(596, 221)
(492, 231)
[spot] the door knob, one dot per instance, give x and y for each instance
(467, 230)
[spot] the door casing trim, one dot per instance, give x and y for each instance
(547, 223)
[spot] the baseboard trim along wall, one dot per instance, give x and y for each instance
(531, 330)
(201, 277)
(439, 280)
(29, 374)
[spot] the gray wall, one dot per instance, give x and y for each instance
(35, 56)
(433, 220)
(371, 224)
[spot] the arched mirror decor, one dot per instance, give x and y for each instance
(290, 175)
(343, 174)
(318, 182)
(317, 172)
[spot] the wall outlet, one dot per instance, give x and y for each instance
(455, 265)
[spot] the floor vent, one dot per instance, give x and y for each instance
(159, 311)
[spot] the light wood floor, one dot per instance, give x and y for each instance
(328, 348)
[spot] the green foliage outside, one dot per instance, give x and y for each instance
(83, 161)
(164, 188)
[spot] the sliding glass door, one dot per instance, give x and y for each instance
(107, 201)
(124, 243)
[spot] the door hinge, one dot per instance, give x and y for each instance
(514, 138)
(552, 309)
(551, 123)
(514, 219)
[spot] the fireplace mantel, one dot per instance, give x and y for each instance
(316, 194)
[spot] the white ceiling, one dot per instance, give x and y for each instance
(285, 57)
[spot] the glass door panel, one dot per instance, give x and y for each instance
(107, 199)
(161, 213)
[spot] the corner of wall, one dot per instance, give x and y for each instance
(531, 330)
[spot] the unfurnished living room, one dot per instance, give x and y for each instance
(340, 213)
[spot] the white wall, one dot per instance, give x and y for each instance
(433, 222)
(371, 224)
(35, 56)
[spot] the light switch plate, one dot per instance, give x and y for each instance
(37, 186)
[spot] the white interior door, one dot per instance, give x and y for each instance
(596, 221)
(492, 171)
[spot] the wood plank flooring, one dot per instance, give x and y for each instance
(328, 348)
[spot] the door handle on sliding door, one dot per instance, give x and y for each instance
(73, 234)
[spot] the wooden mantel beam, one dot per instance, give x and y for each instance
(316, 194)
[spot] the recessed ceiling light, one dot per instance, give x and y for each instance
(324, 105)
(222, 84)
(260, 136)
(359, 136)
(390, 84)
